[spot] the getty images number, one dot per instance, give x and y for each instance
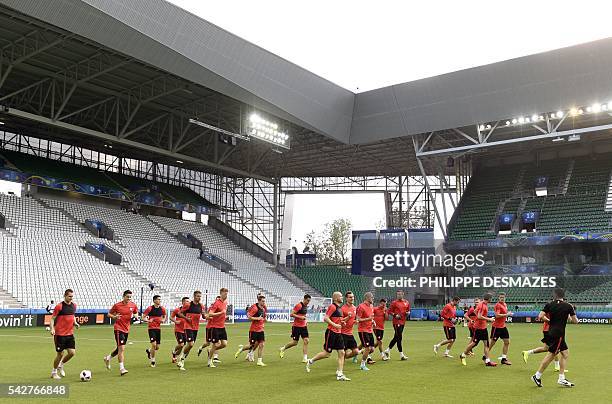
(35, 390)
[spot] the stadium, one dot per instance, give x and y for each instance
(145, 149)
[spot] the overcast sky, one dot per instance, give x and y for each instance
(363, 45)
(313, 211)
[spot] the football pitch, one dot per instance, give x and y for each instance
(26, 355)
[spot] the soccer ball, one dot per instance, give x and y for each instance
(48, 328)
(85, 375)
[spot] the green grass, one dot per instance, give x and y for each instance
(26, 354)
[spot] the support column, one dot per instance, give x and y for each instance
(275, 223)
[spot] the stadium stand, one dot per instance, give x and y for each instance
(43, 245)
(577, 193)
(245, 265)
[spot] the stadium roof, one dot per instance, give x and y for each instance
(131, 74)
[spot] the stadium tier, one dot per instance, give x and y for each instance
(39, 166)
(575, 200)
(43, 254)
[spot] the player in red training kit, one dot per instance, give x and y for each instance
(499, 330)
(208, 340)
(179, 330)
(257, 315)
(299, 328)
(365, 318)
(400, 311)
(216, 316)
(191, 313)
(62, 328)
(154, 315)
(380, 316)
(122, 313)
(333, 337)
(449, 318)
(480, 331)
(349, 313)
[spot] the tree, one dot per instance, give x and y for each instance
(332, 245)
(339, 236)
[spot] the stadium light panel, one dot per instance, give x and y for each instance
(267, 131)
(558, 139)
(1, 123)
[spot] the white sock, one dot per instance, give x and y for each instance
(259, 359)
(447, 352)
(504, 357)
(538, 375)
(487, 360)
(107, 357)
(557, 363)
(210, 361)
(216, 356)
(363, 363)
(121, 365)
(306, 357)
(54, 370)
(561, 376)
(437, 346)
(530, 352)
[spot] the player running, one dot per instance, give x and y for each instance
(470, 317)
(380, 316)
(257, 315)
(449, 319)
(399, 311)
(122, 313)
(349, 313)
(179, 330)
(333, 337)
(62, 328)
(191, 313)
(558, 313)
(218, 334)
(299, 328)
(544, 348)
(499, 330)
(208, 340)
(480, 332)
(365, 317)
(154, 315)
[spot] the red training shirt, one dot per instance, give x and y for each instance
(193, 311)
(178, 326)
(218, 321)
(301, 310)
(126, 311)
(256, 311)
(448, 313)
(334, 313)
(380, 315)
(350, 312)
(500, 308)
(546, 324)
(401, 308)
(64, 319)
(155, 316)
(483, 310)
(365, 310)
